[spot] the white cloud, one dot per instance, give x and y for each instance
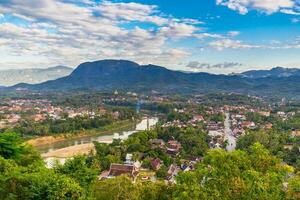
(192, 21)
(130, 12)
(290, 12)
(233, 33)
(226, 43)
(178, 30)
(1, 16)
(267, 6)
(198, 65)
(231, 44)
(70, 32)
(208, 35)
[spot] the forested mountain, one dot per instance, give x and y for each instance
(127, 75)
(274, 72)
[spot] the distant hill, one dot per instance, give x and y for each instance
(34, 75)
(123, 74)
(127, 75)
(275, 72)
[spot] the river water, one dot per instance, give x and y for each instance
(108, 138)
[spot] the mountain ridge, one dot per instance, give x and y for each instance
(128, 75)
(274, 72)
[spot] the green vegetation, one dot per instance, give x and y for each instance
(178, 116)
(217, 118)
(194, 141)
(256, 117)
(24, 176)
(271, 139)
(251, 174)
(69, 125)
(292, 123)
(122, 188)
(277, 140)
(66, 125)
(235, 175)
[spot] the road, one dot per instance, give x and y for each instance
(228, 134)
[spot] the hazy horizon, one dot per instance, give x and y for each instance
(216, 36)
(187, 70)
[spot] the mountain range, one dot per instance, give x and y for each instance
(127, 75)
(34, 75)
(275, 72)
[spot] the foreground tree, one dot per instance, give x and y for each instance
(78, 168)
(23, 174)
(235, 175)
(36, 183)
(122, 188)
(10, 145)
(13, 147)
(293, 190)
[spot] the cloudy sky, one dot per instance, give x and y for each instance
(218, 36)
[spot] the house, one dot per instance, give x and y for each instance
(211, 144)
(238, 131)
(104, 175)
(215, 129)
(102, 111)
(217, 145)
(116, 115)
(265, 113)
(73, 114)
(2, 124)
(281, 114)
(213, 126)
(248, 124)
(198, 118)
(239, 117)
(269, 126)
(174, 144)
(291, 113)
(13, 118)
(187, 166)
(122, 169)
(215, 133)
(155, 163)
(129, 159)
(173, 170)
(172, 173)
(173, 147)
(295, 134)
(137, 164)
(38, 117)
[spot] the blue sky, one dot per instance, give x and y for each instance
(217, 36)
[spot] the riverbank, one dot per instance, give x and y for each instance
(61, 151)
(71, 151)
(110, 129)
